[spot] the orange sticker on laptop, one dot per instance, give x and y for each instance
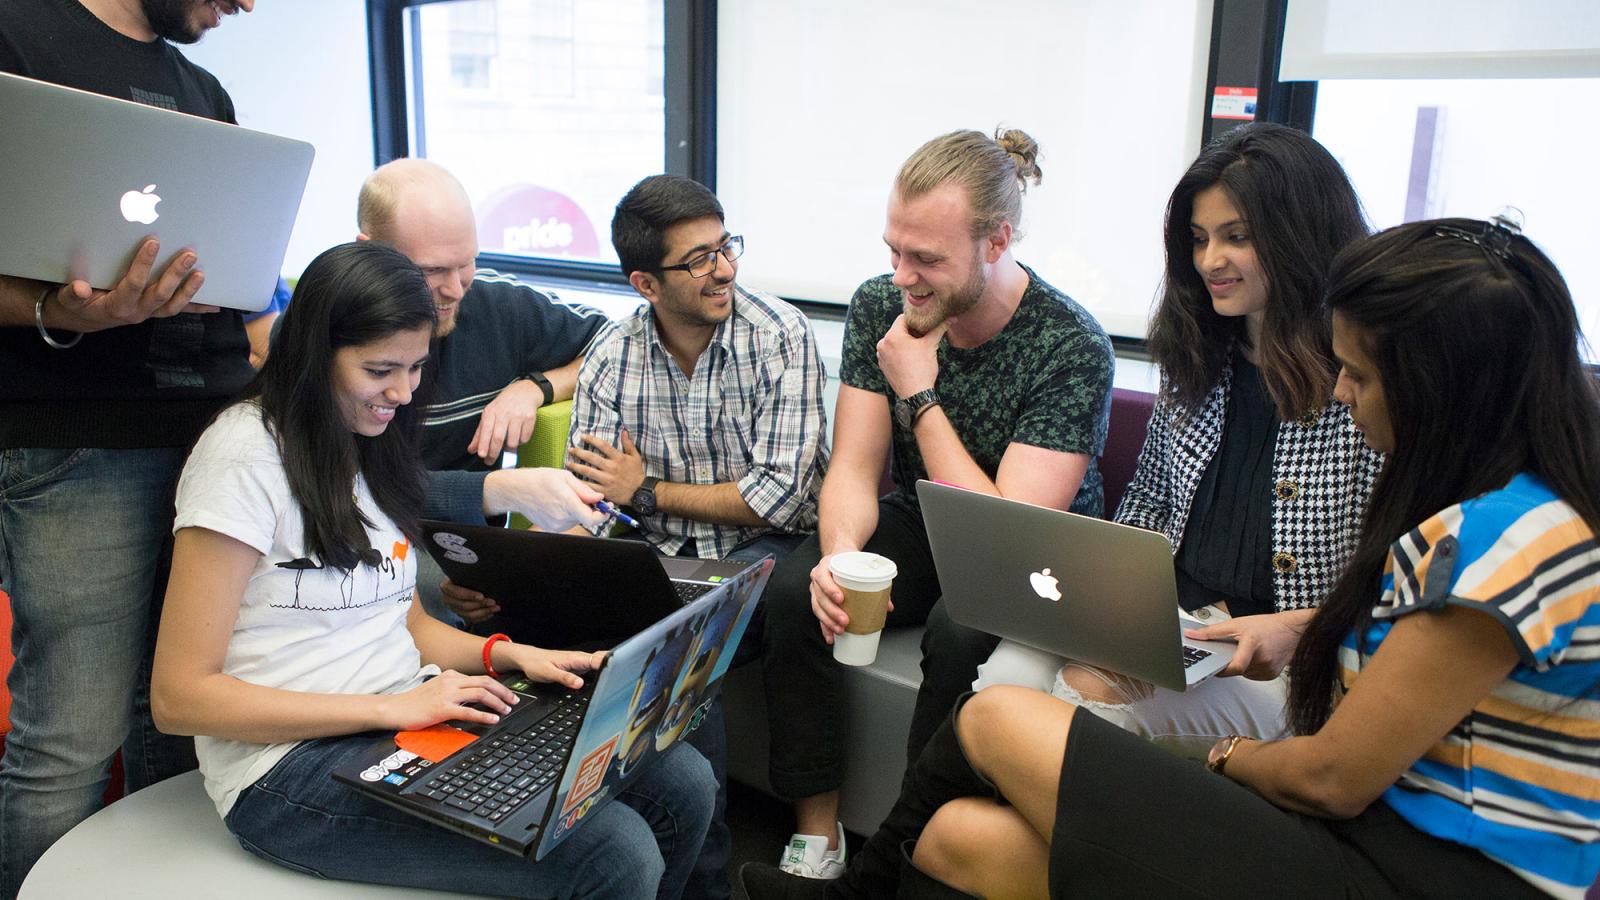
(435, 742)
(591, 774)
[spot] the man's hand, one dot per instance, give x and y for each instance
(910, 364)
(137, 297)
(827, 599)
(615, 473)
(467, 603)
(552, 499)
(507, 422)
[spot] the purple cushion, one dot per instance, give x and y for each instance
(1130, 418)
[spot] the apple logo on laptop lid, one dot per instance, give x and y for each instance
(1045, 585)
(140, 206)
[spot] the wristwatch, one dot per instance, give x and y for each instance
(644, 499)
(908, 409)
(544, 384)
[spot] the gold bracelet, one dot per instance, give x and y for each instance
(1233, 743)
(38, 320)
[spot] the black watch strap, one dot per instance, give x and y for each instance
(644, 499)
(545, 386)
(908, 409)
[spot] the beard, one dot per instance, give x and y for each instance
(958, 302)
(688, 307)
(172, 19)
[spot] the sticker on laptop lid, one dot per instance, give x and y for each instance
(591, 774)
(455, 547)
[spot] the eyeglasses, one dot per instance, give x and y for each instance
(701, 266)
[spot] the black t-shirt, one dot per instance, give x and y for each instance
(155, 384)
(1044, 381)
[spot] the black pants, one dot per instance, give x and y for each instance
(805, 687)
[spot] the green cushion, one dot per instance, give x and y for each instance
(547, 446)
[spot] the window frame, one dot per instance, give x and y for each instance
(1245, 47)
(689, 92)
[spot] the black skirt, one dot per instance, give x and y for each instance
(1133, 820)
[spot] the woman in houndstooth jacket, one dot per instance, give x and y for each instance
(1250, 468)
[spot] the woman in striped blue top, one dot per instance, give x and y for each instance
(1451, 752)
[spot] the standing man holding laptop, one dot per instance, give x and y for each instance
(100, 394)
(971, 370)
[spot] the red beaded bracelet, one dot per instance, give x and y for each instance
(487, 646)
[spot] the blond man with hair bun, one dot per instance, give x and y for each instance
(969, 369)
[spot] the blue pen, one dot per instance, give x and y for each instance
(617, 514)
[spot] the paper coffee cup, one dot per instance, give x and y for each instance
(865, 579)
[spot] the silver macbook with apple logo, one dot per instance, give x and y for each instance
(1082, 588)
(84, 179)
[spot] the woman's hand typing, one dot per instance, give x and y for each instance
(555, 666)
(1266, 642)
(443, 697)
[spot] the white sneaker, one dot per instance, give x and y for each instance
(808, 856)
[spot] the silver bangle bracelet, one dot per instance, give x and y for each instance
(38, 319)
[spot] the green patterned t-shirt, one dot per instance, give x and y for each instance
(1044, 380)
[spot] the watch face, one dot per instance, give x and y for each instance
(902, 413)
(644, 499)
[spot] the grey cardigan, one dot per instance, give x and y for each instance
(1322, 474)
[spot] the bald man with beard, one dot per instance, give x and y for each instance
(502, 350)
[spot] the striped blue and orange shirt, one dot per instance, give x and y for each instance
(1518, 778)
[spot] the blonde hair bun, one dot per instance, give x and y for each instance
(1024, 151)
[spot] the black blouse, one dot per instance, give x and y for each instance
(1226, 552)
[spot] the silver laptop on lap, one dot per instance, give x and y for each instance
(1078, 587)
(84, 179)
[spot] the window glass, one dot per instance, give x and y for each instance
(1420, 149)
(547, 110)
(808, 142)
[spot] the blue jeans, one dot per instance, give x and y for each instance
(640, 846)
(85, 542)
(710, 879)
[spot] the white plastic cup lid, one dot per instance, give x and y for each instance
(864, 571)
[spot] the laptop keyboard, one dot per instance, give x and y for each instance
(493, 779)
(689, 590)
(1192, 655)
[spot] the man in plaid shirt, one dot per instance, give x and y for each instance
(703, 412)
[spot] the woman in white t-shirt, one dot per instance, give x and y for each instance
(290, 631)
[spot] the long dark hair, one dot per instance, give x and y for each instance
(350, 295)
(1300, 210)
(1478, 358)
